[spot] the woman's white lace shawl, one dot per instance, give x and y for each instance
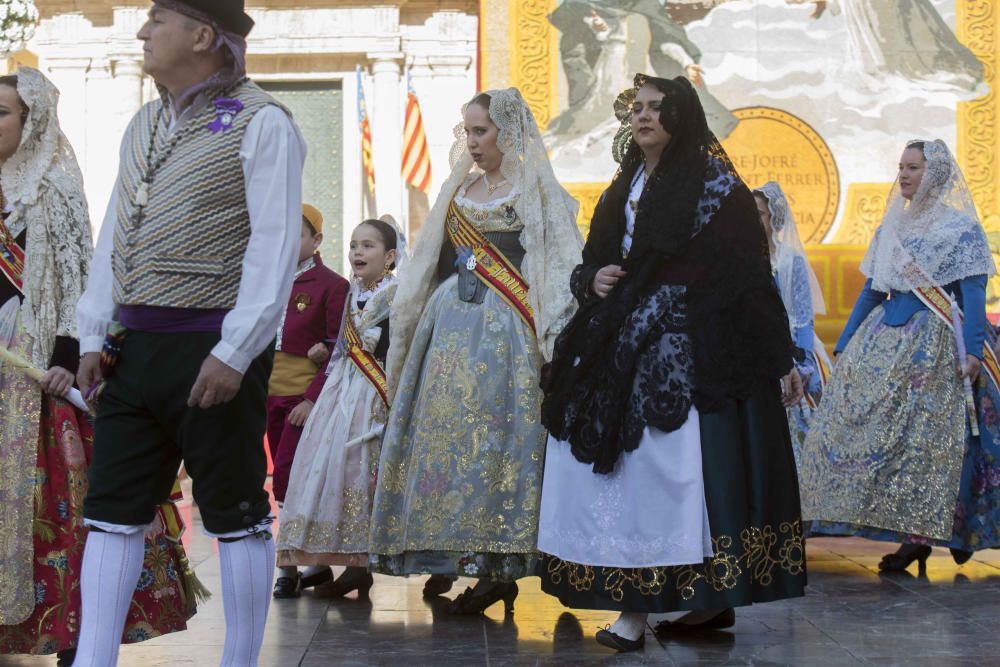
(552, 241)
(933, 240)
(43, 182)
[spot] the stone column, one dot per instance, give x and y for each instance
(114, 94)
(385, 110)
(128, 83)
(70, 76)
(103, 139)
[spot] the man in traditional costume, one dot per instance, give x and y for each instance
(195, 262)
(46, 446)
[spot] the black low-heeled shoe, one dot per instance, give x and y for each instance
(287, 588)
(438, 584)
(470, 604)
(960, 556)
(344, 584)
(316, 578)
(724, 619)
(607, 638)
(899, 561)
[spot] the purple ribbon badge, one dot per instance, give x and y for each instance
(225, 112)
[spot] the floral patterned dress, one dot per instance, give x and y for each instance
(461, 466)
(161, 603)
(891, 455)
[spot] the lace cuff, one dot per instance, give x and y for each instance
(66, 354)
(581, 280)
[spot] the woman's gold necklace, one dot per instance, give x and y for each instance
(490, 189)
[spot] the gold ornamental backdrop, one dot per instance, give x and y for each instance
(821, 97)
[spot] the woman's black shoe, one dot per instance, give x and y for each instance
(724, 619)
(353, 579)
(961, 557)
(607, 638)
(469, 603)
(66, 658)
(316, 578)
(286, 588)
(438, 584)
(899, 561)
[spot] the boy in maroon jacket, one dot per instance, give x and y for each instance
(310, 325)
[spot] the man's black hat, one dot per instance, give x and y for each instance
(228, 14)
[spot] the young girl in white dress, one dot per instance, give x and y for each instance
(327, 508)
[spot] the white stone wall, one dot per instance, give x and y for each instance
(98, 69)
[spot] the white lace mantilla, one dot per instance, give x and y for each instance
(550, 237)
(933, 240)
(43, 182)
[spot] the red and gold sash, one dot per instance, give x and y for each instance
(173, 522)
(489, 264)
(11, 258)
(365, 360)
(822, 369)
(939, 303)
(173, 529)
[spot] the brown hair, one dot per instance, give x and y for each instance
(308, 225)
(386, 231)
(483, 100)
(11, 80)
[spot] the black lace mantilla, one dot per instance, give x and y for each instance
(696, 321)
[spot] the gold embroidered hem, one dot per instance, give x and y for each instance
(20, 415)
(757, 560)
(291, 557)
(764, 563)
(887, 443)
(481, 565)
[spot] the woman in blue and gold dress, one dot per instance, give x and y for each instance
(475, 314)
(901, 449)
(803, 299)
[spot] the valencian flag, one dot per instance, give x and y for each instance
(416, 153)
(367, 164)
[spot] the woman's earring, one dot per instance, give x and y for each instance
(386, 271)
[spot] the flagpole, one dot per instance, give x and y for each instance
(404, 193)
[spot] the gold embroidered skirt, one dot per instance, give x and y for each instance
(886, 446)
(461, 466)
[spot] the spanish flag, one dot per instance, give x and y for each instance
(416, 153)
(367, 164)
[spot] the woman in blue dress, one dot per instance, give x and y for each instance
(903, 449)
(803, 299)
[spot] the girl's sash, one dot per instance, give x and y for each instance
(822, 369)
(939, 303)
(365, 360)
(173, 529)
(489, 264)
(11, 258)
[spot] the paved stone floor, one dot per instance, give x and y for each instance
(850, 616)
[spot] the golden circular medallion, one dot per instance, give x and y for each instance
(773, 145)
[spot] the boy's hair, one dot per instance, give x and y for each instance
(309, 225)
(312, 218)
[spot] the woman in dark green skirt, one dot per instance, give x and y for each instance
(669, 481)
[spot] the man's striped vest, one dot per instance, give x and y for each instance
(187, 249)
